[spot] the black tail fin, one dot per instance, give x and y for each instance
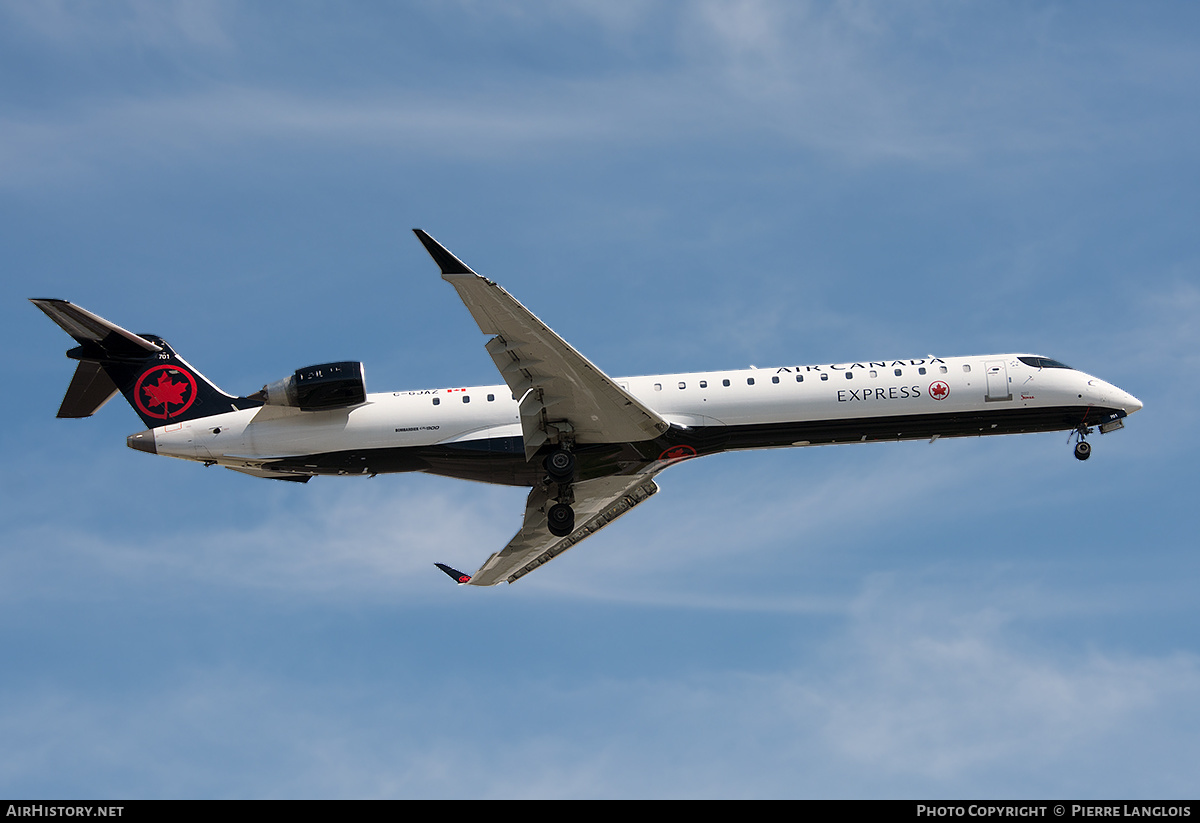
(159, 384)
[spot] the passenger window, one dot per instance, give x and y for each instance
(749, 381)
(658, 386)
(899, 372)
(921, 370)
(682, 385)
(725, 382)
(437, 401)
(799, 378)
(775, 379)
(874, 373)
(824, 376)
(966, 367)
(491, 397)
(704, 384)
(849, 375)
(466, 398)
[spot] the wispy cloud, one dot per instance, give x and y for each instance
(951, 697)
(164, 27)
(980, 617)
(915, 696)
(824, 79)
(371, 541)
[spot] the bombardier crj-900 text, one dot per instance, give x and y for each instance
(588, 444)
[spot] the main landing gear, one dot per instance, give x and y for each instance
(561, 519)
(560, 465)
(560, 469)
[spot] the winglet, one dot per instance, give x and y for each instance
(454, 574)
(447, 262)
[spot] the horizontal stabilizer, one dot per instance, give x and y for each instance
(90, 388)
(88, 328)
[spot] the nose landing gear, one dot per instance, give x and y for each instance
(1083, 449)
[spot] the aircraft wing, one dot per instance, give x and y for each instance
(561, 390)
(597, 503)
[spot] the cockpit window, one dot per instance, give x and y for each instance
(1043, 363)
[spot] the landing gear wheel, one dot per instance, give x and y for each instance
(561, 519)
(560, 465)
(1083, 450)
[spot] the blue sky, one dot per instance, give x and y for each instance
(672, 187)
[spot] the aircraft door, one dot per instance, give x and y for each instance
(997, 381)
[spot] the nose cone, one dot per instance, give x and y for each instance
(1107, 395)
(142, 441)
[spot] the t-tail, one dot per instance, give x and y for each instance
(160, 385)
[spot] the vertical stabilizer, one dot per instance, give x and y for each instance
(159, 384)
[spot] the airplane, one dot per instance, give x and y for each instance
(587, 445)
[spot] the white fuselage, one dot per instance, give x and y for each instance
(707, 401)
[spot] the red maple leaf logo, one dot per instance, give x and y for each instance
(165, 392)
(939, 390)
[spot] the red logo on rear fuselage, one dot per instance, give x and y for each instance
(163, 392)
(677, 453)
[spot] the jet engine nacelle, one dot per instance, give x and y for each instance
(316, 388)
